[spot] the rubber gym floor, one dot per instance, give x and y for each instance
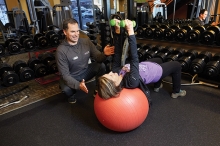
(192, 120)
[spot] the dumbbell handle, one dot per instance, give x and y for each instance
(121, 23)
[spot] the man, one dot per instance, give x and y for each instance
(72, 57)
(201, 19)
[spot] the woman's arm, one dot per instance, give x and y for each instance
(131, 79)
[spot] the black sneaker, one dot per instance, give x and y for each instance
(72, 99)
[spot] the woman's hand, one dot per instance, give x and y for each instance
(129, 27)
(109, 50)
(117, 27)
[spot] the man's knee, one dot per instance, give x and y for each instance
(66, 89)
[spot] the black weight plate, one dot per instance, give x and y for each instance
(169, 34)
(40, 70)
(18, 65)
(158, 33)
(193, 36)
(180, 35)
(54, 40)
(10, 78)
(14, 48)
(42, 42)
(26, 74)
(61, 34)
(36, 36)
(8, 41)
(2, 50)
(5, 68)
(149, 32)
(52, 66)
(29, 44)
(208, 37)
(49, 33)
(32, 62)
(22, 38)
(218, 39)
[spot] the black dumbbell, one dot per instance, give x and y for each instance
(159, 32)
(181, 34)
(195, 34)
(38, 67)
(2, 50)
(212, 68)
(27, 42)
(92, 36)
(169, 33)
(209, 35)
(7, 74)
(13, 46)
(165, 52)
(22, 69)
(218, 39)
(141, 30)
(41, 40)
(61, 34)
(48, 59)
(198, 64)
(149, 31)
(186, 60)
(91, 25)
(92, 30)
(177, 53)
(142, 50)
(53, 38)
(153, 52)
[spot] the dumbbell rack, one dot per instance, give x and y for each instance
(196, 79)
(46, 79)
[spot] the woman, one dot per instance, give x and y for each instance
(110, 85)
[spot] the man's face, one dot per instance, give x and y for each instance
(72, 33)
(204, 15)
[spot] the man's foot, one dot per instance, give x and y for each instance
(157, 89)
(72, 99)
(181, 93)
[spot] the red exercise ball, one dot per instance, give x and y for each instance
(123, 113)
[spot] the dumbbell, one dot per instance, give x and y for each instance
(61, 34)
(198, 64)
(209, 35)
(121, 23)
(169, 33)
(186, 60)
(212, 68)
(195, 34)
(53, 38)
(177, 53)
(13, 46)
(41, 40)
(7, 75)
(181, 34)
(38, 67)
(142, 50)
(91, 25)
(92, 30)
(92, 36)
(27, 42)
(2, 50)
(149, 31)
(22, 69)
(152, 53)
(159, 32)
(141, 30)
(48, 59)
(164, 53)
(218, 39)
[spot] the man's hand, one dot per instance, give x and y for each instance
(109, 50)
(83, 87)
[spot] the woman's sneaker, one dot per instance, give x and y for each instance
(181, 93)
(157, 89)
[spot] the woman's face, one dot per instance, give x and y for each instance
(204, 15)
(114, 77)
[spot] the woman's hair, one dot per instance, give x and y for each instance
(67, 21)
(107, 88)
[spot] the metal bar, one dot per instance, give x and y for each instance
(198, 8)
(208, 9)
(193, 10)
(107, 10)
(130, 9)
(216, 9)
